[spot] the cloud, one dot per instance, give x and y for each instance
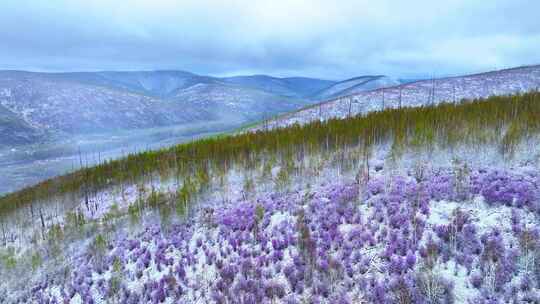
(328, 39)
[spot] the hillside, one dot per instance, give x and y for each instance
(356, 85)
(48, 120)
(167, 83)
(152, 83)
(15, 131)
(425, 92)
(300, 87)
(250, 104)
(92, 103)
(72, 108)
(433, 204)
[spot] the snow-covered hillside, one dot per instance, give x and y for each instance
(296, 216)
(419, 93)
(432, 232)
(15, 131)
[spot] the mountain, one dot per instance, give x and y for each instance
(80, 103)
(299, 87)
(167, 83)
(419, 93)
(153, 83)
(14, 130)
(356, 85)
(250, 104)
(60, 106)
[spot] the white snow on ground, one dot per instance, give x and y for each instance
(279, 217)
(484, 216)
(462, 288)
(347, 228)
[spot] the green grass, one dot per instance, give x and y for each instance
(473, 122)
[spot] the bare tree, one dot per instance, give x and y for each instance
(4, 237)
(432, 91)
(382, 99)
(86, 198)
(42, 223)
(400, 95)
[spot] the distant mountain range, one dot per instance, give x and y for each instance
(36, 106)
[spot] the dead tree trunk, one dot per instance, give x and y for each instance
(4, 237)
(42, 224)
(433, 92)
(382, 99)
(85, 186)
(400, 95)
(32, 211)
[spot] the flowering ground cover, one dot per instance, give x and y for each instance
(429, 236)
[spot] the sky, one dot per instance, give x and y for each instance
(326, 39)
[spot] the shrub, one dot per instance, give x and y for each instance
(36, 260)
(8, 258)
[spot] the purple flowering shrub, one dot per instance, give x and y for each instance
(504, 187)
(388, 240)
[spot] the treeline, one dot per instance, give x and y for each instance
(504, 120)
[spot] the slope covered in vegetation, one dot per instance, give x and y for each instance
(475, 122)
(435, 204)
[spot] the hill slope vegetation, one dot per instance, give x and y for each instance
(435, 204)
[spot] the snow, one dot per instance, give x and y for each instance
(484, 216)
(279, 217)
(5, 92)
(345, 229)
(462, 288)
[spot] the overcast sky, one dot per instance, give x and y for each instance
(328, 39)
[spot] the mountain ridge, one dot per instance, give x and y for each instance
(355, 85)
